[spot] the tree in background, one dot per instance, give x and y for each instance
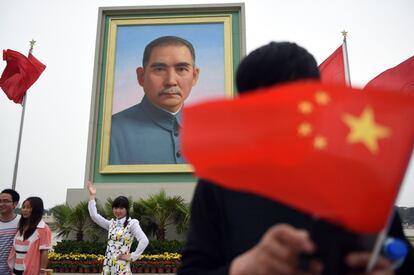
(74, 220)
(155, 214)
(61, 214)
(160, 211)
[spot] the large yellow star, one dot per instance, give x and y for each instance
(364, 129)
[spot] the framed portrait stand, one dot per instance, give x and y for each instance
(217, 34)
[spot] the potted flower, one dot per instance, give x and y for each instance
(96, 265)
(137, 267)
(174, 266)
(73, 266)
(167, 266)
(147, 266)
(160, 266)
(154, 265)
(54, 265)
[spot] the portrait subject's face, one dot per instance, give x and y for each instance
(168, 77)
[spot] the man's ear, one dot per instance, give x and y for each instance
(196, 73)
(15, 204)
(140, 75)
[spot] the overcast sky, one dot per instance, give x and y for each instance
(53, 152)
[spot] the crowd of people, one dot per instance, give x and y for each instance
(25, 239)
(230, 232)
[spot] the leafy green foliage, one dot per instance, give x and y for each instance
(62, 215)
(161, 246)
(69, 220)
(155, 214)
(159, 211)
(71, 246)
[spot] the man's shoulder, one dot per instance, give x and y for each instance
(134, 116)
(11, 223)
(129, 113)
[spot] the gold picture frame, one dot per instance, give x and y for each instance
(133, 26)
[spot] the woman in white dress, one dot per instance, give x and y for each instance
(121, 231)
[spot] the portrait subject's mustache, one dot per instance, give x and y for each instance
(170, 91)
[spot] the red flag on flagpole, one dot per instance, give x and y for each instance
(20, 74)
(333, 69)
(330, 151)
(398, 78)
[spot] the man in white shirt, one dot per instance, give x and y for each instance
(9, 220)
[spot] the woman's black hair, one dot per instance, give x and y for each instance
(36, 204)
(122, 202)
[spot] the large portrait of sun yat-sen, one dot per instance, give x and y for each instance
(152, 64)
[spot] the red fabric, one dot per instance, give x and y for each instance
(399, 78)
(332, 69)
(253, 144)
(20, 73)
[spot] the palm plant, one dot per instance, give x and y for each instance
(106, 210)
(80, 220)
(160, 211)
(71, 220)
(61, 213)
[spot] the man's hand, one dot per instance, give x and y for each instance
(91, 189)
(277, 253)
(359, 261)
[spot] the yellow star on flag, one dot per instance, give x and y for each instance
(320, 142)
(322, 98)
(305, 129)
(364, 129)
(305, 107)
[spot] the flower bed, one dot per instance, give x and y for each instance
(91, 263)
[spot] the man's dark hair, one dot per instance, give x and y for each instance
(167, 41)
(15, 196)
(276, 62)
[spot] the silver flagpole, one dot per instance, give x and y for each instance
(346, 63)
(16, 163)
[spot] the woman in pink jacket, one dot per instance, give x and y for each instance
(32, 242)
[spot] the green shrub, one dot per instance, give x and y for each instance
(161, 246)
(72, 246)
(98, 248)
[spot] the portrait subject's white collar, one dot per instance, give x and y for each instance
(173, 113)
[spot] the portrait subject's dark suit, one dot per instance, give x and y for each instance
(145, 134)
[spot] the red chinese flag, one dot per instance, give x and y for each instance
(20, 73)
(332, 69)
(330, 151)
(399, 78)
